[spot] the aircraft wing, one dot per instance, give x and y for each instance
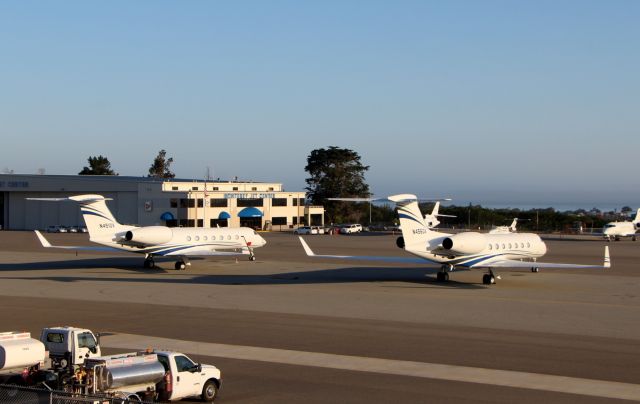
(529, 264)
(405, 260)
(46, 244)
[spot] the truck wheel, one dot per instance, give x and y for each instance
(209, 391)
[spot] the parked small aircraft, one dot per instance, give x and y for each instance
(616, 230)
(151, 241)
(505, 229)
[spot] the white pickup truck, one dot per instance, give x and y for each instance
(185, 378)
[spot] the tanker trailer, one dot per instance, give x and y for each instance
(129, 375)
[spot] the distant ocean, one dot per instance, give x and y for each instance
(561, 207)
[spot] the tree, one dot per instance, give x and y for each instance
(336, 172)
(161, 167)
(98, 166)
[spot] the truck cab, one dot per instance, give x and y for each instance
(69, 346)
(185, 378)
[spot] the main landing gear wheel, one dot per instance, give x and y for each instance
(633, 238)
(442, 277)
(252, 258)
(180, 266)
(488, 279)
(148, 263)
(535, 269)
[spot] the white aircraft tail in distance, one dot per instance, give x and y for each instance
(507, 229)
(616, 230)
(156, 241)
(464, 250)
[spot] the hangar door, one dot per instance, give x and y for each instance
(2, 210)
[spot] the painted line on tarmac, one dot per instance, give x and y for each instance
(505, 378)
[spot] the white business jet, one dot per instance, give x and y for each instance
(462, 250)
(153, 241)
(616, 230)
(432, 219)
(505, 229)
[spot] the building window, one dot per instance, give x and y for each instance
(216, 188)
(235, 188)
(217, 223)
(279, 221)
(254, 188)
(187, 223)
(194, 188)
(200, 223)
(173, 203)
(218, 203)
(200, 203)
(279, 202)
(187, 203)
(172, 223)
(270, 188)
(174, 188)
(297, 201)
(295, 220)
(243, 203)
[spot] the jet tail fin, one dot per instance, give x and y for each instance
(99, 220)
(414, 227)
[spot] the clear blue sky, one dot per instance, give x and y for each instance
(477, 100)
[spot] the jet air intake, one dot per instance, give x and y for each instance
(400, 242)
(465, 243)
(149, 235)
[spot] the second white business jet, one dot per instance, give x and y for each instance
(155, 241)
(462, 250)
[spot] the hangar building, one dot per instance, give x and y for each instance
(148, 201)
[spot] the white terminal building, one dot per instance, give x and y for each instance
(148, 201)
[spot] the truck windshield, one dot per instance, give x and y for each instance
(86, 340)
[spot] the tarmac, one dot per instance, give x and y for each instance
(289, 328)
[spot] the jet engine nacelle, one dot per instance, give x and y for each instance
(465, 243)
(149, 235)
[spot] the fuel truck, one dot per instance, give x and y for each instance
(69, 359)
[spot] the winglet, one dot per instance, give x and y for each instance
(607, 258)
(307, 249)
(43, 240)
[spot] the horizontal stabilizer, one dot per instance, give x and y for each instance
(45, 243)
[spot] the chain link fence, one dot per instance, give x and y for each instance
(12, 394)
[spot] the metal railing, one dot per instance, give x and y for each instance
(12, 394)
